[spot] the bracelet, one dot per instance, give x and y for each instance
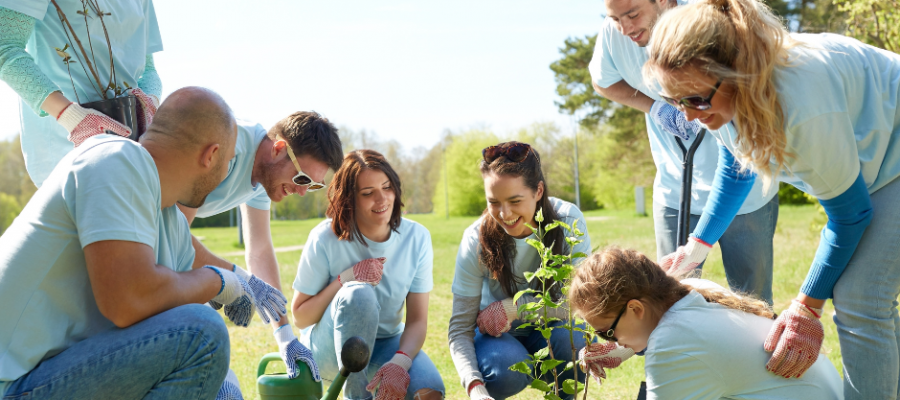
(63, 110)
(473, 385)
(220, 277)
(401, 352)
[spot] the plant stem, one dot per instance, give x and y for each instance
(62, 17)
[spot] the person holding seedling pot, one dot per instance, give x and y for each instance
(490, 269)
(821, 112)
(358, 268)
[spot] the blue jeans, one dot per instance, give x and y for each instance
(746, 246)
(865, 304)
(496, 354)
(181, 353)
(354, 312)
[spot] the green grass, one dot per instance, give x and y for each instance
(795, 244)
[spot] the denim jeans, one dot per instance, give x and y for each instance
(182, 353)
(865, 303)
(746, 246)
(496, 354)
(354, 312)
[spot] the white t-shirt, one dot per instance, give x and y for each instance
(473, 279)
(107, 189)
(410, 259)
(237, 188)
(841, 102)
(133, 32)
(704, 350)
(616, 58)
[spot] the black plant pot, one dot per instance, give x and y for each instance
(122, 109)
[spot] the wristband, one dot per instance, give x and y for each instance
(401, 352)
(63, 110)
(222, 278)
(478, 389)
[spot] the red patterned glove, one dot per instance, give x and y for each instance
(496, 318)
(686, 257)
(392, 380)
(368, 271)
(146, 109)
(597, 356)
(84, 123)
(796, 339)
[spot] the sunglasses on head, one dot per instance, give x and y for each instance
(515, 152)
(695, 102)
(302, 179)
(609, 335)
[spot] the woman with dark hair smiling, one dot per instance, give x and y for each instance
(490, 266)
(358, 268)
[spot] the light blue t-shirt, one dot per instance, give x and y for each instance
(107, 189)
(702, 350)
(407, 269)
(841, 102)
(237, 188)
(134, 34)
(472, 278)
(616, 58)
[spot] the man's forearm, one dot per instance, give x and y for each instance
(622, 93)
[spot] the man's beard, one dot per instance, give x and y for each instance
(203, 187)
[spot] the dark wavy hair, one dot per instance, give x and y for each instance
(498, 249)
(342, 193)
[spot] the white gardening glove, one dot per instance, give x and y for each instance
(479, 392)
(231, 388)
(236, 295)
(291, 350)
(595, 357)
(672, 120)
(368, 271)
(795, 340)
(497, 317)
(84, 123)
(686, 257)
(270, 302)
(392, 379)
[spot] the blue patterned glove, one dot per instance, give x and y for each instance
(270, 302)
(291, 351)
(231, 389)
(236, 295)
(673, 121)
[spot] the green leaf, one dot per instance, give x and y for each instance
(569, 366)
(529, 276)
(565, 290)
(579, 255)
(547, 365)
(521, 293)
(521, 367)
(540, 385)
(569, 386)
(536, 244)
(529, 307)
(575, 229)
(546, 332)
(551, 396)
(525, 325)
(539, 216)
(542, 353)
(550, 303)
(564, 225)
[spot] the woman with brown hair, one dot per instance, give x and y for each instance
(701, 341)
(490, 269)
(357, 270)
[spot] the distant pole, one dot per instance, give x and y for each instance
(446, 193)
(240, 227)
(577, 183)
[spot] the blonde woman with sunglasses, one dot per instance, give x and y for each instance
(821, 112)
(701, 340)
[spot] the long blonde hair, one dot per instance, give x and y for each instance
(608, 279)
(740, 41)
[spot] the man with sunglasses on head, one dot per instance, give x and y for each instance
(619, 56)
(291, 157)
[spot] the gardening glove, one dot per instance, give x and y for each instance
(392, 380)
(231, 389)
(672, 120)
(479, 392)
(597, 356)
(84, 123)
(236, 295)
(496, 318)
(686, 257)
(270, 302)
(796, 339)
(291, 350)
(146, 108)
(368, 271)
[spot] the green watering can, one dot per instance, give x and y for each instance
(354, 356)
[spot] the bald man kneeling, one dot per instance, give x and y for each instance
(99, 297)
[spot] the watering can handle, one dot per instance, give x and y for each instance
(265, 362)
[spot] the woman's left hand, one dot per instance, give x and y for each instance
(497, 317)
(392, 379)
(598, 356)
(795, 338)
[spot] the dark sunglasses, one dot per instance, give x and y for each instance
(515, 152)
(610, 334)
(695, 102)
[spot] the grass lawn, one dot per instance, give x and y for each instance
(795, 244)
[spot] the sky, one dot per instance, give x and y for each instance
(406, 70)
